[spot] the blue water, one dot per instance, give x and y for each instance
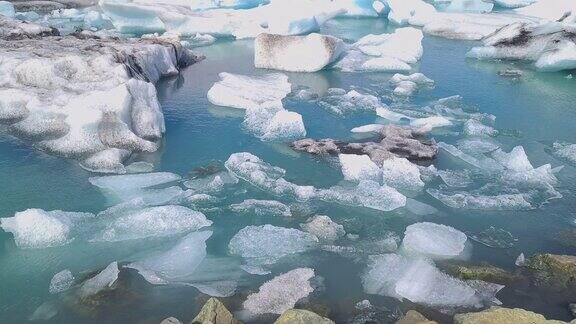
(536, 111)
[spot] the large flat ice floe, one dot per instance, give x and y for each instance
(84, 97)
(261, 98)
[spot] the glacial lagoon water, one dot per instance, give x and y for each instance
(533, 111)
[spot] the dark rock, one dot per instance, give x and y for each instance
(413, 317)
(392, 141)
(553, 271)
(485, 272)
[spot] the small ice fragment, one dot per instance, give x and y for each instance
(262, 208)
(434, 240)
(105, 279)
(61, 281)
(324, 228)
(520, 260)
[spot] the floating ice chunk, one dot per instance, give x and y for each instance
(473, 127)
(252, 169)
(243, 92)
(401, 174)
(177, 264)
(371, 128)
(426, 124)
(45, 311)
(105, 279)
(477, 6)
(266, 244)
(106, 161)
(404, 11)
(198, 40)
(140, 167)
(418, 281)
(153, 221)
(61, 281)
(284, 125)
(358, 167)
(281, 293)
(384, 52)
(419, 208)
(366, 193)
(132, 185)
(459, 179)
(565, 151)
(520, 260)
(255, 270)
(513, 4)
(324, 228)
(516, 160)
(406, 85)
(36, 228)
(211, 184)
(7, 9)
(308, 53)
(340, 102)
(478, 162)
(262, 208)
(468, 200)
(434, 240)
(391, 115)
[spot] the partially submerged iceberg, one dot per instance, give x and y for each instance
(433, 240)
(266, 244)
(7, 9)
(324, 228)
(358, 167)
(103, 280)
(406, 85)
(61, 281)
(308, 53)
(401, 174)
(340, 102)
(281, 293)
(262, 208)
(129, 186)
(550, 46)
(36, 228)
(96, 106)
(565, 151)
(176, 265)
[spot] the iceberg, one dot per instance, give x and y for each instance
(178, 264)
(308, 53)
(366, 193)
(550, 10)
(403, 12)
(401, 174)
(433, 240)
(266, 244)
(550, 46)
(340, 102)
(406, 85)
(97, 107)
(281, 293)
(36, 228)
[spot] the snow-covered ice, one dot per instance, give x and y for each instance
(324, 228)
(359, 167)
(61, 281)
(281, 293)
(36, 228)
(308, 53)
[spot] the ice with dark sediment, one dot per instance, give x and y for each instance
(280, 293)
(85, 96)
(266, 244)
(550, 46)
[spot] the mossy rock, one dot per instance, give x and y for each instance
(214, 312)
(503, 315)
(302, 316)
(485, 272)
(567, 237)
(413, 317)
(551, 270)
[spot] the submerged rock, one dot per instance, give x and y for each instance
(551, 270)
(394, 141)
(413, 317)
(485, 272)
(308, 53)
(494, 237)
(171, 320)
(504, 316)
(214, 312)
(301, 316)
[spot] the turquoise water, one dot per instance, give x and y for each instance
(534, 111)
